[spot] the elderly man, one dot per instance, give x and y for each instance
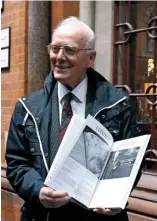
(35, 128)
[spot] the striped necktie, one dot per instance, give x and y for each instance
(66, 114)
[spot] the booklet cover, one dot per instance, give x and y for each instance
(92, 168)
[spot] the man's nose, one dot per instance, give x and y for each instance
(61, 54)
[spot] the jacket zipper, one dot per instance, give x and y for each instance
(37, 132)
(104, 108)
(38, 135)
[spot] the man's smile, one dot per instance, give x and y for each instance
(63, 67)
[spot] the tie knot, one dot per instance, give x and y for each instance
(68, 97)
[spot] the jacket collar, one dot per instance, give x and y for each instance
(103, 93)
(106, 95)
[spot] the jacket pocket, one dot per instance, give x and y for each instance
(33, 147)
(31, 134)
(135, 130)
(32, 139)
(114, 127)
(35, 156)
(34, 153)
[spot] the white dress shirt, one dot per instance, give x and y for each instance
(78, 102)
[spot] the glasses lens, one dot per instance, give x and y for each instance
(55, 49)
(69, 50)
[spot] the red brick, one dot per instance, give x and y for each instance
(19, 93)
(14, 6)
(11, 216)
(22, 58)
(21, 77)
(5, 119)
(22, 4)
(12, 212)
(21, 49)
(6, 102)
(6, 111)
(22, 22)
(5, 87)
(13, 81)
(14, 16)
(22, 67)
(14, 59)
(14, 68)
(14, 24)
(20, 40)
(5, 94)
(14, 35)
(22, 13)
(3, 127)
(2, 135)
(3, 210)
(5, 78)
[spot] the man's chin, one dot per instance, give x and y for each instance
(63, 80)
(60, 77)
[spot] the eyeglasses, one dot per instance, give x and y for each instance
(68, 50)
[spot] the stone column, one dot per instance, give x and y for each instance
(104, 39)
(87, 13)
(39, 21)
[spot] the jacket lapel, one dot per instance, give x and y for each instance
(89, 101)
(55, 125)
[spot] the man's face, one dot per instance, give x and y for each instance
(69, 67)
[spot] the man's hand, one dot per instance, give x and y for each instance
(107, 211)
(50, 198)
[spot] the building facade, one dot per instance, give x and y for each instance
(126, 45)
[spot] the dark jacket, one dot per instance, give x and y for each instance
(27, 152)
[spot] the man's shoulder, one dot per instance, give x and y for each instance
(111, 92)
(104, 85)
(36, 97)
(118, 91)
(106, 92)
(30, 100)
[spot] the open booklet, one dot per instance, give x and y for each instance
(92, 168)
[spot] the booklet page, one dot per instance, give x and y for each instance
(79, 173)
(118, 177)
(76, 180)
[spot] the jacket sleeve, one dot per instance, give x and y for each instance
(24, 179)
(131, 128)
(130, 124)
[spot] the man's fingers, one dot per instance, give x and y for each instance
(58, 194)
(51, 200)
(107, 211)
(55, 202)
(48, 192)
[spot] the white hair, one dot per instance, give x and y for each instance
(88, 31)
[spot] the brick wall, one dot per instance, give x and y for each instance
(63, 9)
(14, 80)
(13, 86)
(10, 208)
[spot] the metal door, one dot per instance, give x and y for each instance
(135, 64)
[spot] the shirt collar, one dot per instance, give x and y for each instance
(79, 91)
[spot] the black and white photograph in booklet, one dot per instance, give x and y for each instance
(120, 163)
(90, 151)
(96, 150)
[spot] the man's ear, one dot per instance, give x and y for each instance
(92, 57)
